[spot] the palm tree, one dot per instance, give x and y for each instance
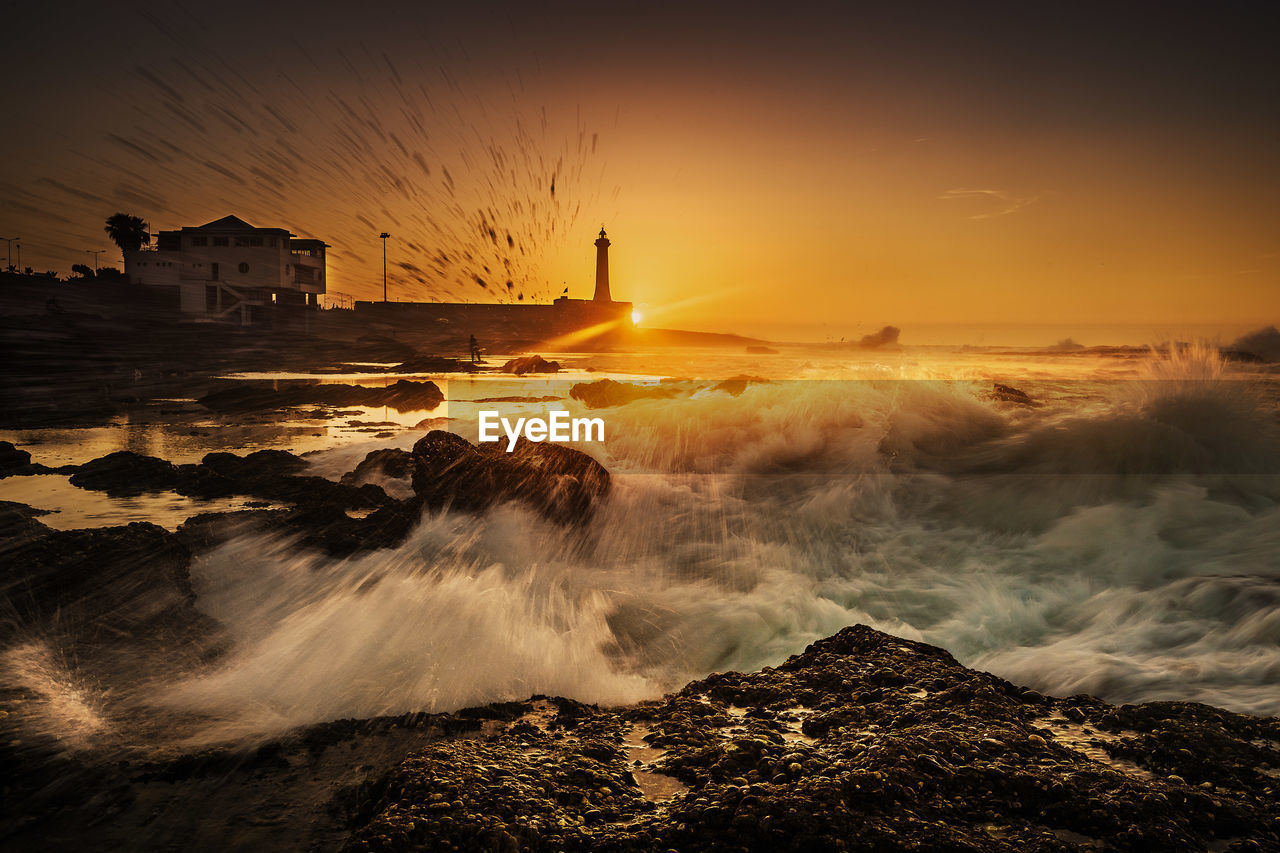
(128, 232)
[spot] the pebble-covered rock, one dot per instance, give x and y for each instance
(863, 742)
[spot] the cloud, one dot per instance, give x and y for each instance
(1006, 202)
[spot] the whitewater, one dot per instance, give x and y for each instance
(1119, 538)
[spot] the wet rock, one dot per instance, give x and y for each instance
(391, 463)
(18, 523)
(606, 392)
(12, 458)
(402, 395)
(886, 337)
(547, 398)
(530, 364)
(203, 482)
(340, 518)
(435, 364)
(261, 464)
(207, 530)
(863, 741)
(334, 529)
(126, 473)
(735, 385)
(16, 462)
(563, 484)
(1009, 394)
(113, 581)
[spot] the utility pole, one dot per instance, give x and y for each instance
(8, 252)
(19, 267)
(95, 253)
(383, 236)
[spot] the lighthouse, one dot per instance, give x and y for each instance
(602, 268)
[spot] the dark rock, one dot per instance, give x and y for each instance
(563, 484)
(114, 580)
(402, 395)
(544, 399)
(312, 491)
(759, 349)
(18, 522)
(530, 364)
(435, 364)
(407, 395)
(16, 462)
(735, 385)
(863, 741)
(271, 463)
(340, 518)
(886, 337)
(331, 527)
(126, 473)
(221, 462)
(386, 463)
(200, 481)
(1009, 394)
(207, 530)
(606, 392)
(12, 459)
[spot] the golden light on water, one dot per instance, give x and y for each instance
(579, 337)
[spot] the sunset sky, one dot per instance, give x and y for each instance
(760, 168)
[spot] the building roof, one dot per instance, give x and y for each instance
(226, 222)
(235, 224)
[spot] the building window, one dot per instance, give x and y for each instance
(219, 241)
(244, 268)
(287, 269)
(199, 241)
(273, 297)
(255, 242)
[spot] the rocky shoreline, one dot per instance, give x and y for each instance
(864, 741)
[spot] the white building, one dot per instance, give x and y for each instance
(229, 270)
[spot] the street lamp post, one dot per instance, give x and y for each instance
(383, 236)
(8, 252)
(95, 253)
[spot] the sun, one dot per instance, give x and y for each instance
(636, 317)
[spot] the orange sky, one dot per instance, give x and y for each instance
(753, 173)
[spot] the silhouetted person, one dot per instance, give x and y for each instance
(475, 350)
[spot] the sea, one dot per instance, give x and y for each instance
(1115, 533)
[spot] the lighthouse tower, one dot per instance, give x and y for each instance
(602, 268)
